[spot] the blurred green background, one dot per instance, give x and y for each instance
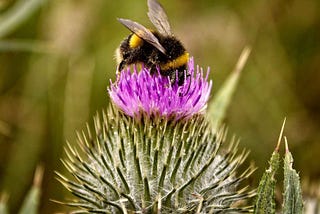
(56, 59)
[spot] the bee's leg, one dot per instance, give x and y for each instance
(120, 67)
(172, 74)
(181, 77)
(153, 62)
(153, 69)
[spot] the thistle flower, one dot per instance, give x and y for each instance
(154, 167)
(156, 164)
(137, 93)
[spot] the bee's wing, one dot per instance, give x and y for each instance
(143, 33)
(158, 17)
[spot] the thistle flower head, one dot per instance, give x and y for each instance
(125, 166)
(137, 93)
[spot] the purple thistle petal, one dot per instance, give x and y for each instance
(137, 93)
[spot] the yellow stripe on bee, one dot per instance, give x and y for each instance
(135, 41)
(176, 63)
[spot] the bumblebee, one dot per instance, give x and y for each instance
(155, 49)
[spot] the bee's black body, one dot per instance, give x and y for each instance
(154, 49)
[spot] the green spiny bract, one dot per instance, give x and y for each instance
(155, 166)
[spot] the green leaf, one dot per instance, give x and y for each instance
(32, 199)
(21, 11)
(292, 202)
(220, 103)
(265, 202)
